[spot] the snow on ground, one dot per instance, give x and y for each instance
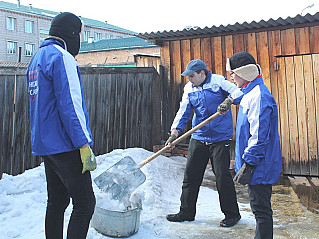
(23, 201)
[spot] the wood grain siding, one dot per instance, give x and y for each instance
(301, 114)
(310, 115)
(299, 75)
(314, 39)
(15, 151)
(239, 42)
(166, 82)
(283, 117)
(186, 56)
(302, 40)
(251, 44)
(263, 57)
(196, 49)
(206, 53)
(217, 53)
(288, 42)
(175, 50)
(274, 50)
(314, 162)
(227, 51)
(292, 115)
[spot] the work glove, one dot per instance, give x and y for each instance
(225, 105)
(243, 176)
(88, 159)
(171, 138)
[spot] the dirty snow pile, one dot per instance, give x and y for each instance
(23, 201)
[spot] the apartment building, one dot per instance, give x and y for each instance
(23, 28)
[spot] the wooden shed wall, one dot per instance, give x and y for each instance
(148, 61)
(274, 51)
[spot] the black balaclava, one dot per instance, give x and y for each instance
(67, 26)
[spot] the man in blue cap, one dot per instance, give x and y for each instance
(205, 93)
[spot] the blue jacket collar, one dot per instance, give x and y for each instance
(48, 42)
(251, 85)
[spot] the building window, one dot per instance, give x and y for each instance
(44, 31)
(29, 26)
(29, 49)
(98, 36)
(86, 35)
(11, 23)
(11, 47)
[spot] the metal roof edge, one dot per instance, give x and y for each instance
(236, 27)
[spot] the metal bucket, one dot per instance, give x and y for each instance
(116, 223)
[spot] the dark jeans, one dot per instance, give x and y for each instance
(198, 155)
(260, 196)
(64, 181)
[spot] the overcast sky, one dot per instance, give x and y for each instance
(151, 16)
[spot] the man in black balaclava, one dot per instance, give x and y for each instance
(68, 27)
(60, 131)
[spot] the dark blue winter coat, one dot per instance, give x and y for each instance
(257, 138)
(59, 120)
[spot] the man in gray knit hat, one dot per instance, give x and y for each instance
(257, 153)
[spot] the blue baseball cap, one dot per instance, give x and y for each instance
(194, 65)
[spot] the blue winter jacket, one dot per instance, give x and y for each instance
(204, 100)
(257, 138)
(59, 120)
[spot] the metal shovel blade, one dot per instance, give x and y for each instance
(121, 179)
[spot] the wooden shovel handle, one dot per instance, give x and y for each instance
(179, 139)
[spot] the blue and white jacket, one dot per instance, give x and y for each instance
(204, 100)
(59, 120)
(257, 138)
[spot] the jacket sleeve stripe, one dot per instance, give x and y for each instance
(253, 118)
(259, 117)
(75, 92)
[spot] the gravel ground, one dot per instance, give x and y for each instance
(291, 218)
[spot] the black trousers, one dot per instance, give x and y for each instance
(64, 181)
(260, 203)
(198, 155)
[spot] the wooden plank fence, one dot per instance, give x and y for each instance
(124, 106)
(298, 109)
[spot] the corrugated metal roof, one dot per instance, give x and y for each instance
(50, 14)
(231, 28)
(115, 44)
